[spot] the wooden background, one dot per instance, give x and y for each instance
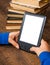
(10, 55)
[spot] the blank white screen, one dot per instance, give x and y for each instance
(31, 29)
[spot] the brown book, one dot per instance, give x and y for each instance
(15, 15)
(23, 8)
(12, 30)
(30, 3)
(14, 24)
(13, 10)
(14, 21)
(13, 27)
(44, 8)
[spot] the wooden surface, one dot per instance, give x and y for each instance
(10, 55)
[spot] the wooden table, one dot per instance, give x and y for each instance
(10, 55)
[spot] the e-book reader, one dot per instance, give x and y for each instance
(31, 31)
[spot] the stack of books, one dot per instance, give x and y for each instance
(17, 8)
(14, 21)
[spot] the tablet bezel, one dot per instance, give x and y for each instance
(40, 36)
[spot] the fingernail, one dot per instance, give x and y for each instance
(17, 47)
(30, 49)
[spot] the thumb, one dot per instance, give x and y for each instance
(33, 49)
(14, 43)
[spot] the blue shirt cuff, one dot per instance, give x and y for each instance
(4, 38)
(44, 56)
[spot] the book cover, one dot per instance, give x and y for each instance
(14, 11)
(30, 3)
(27, 9)
(23, 8)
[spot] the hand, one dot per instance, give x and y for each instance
(13, 38)
(44, 47)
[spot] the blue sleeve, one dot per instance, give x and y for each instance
(45, 58)
(4, 37)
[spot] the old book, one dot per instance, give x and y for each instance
(30, 3)
(15, 15)
(44, 8)
(46, 0)
(15, 11)
(23, 8)
(13, 27)
(14, 18)
(12, 30)
(14, 24)
(14, 21)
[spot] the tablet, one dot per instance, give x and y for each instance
(31, 30)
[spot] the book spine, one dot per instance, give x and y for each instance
(15, 15)
(14, 21)
(13, 27)
(14, 24)
(12, 30)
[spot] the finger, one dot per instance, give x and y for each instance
(16, 33)
(16, 39)
(33, 49)
(44, 43)
(14, 43)
(36, 48)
